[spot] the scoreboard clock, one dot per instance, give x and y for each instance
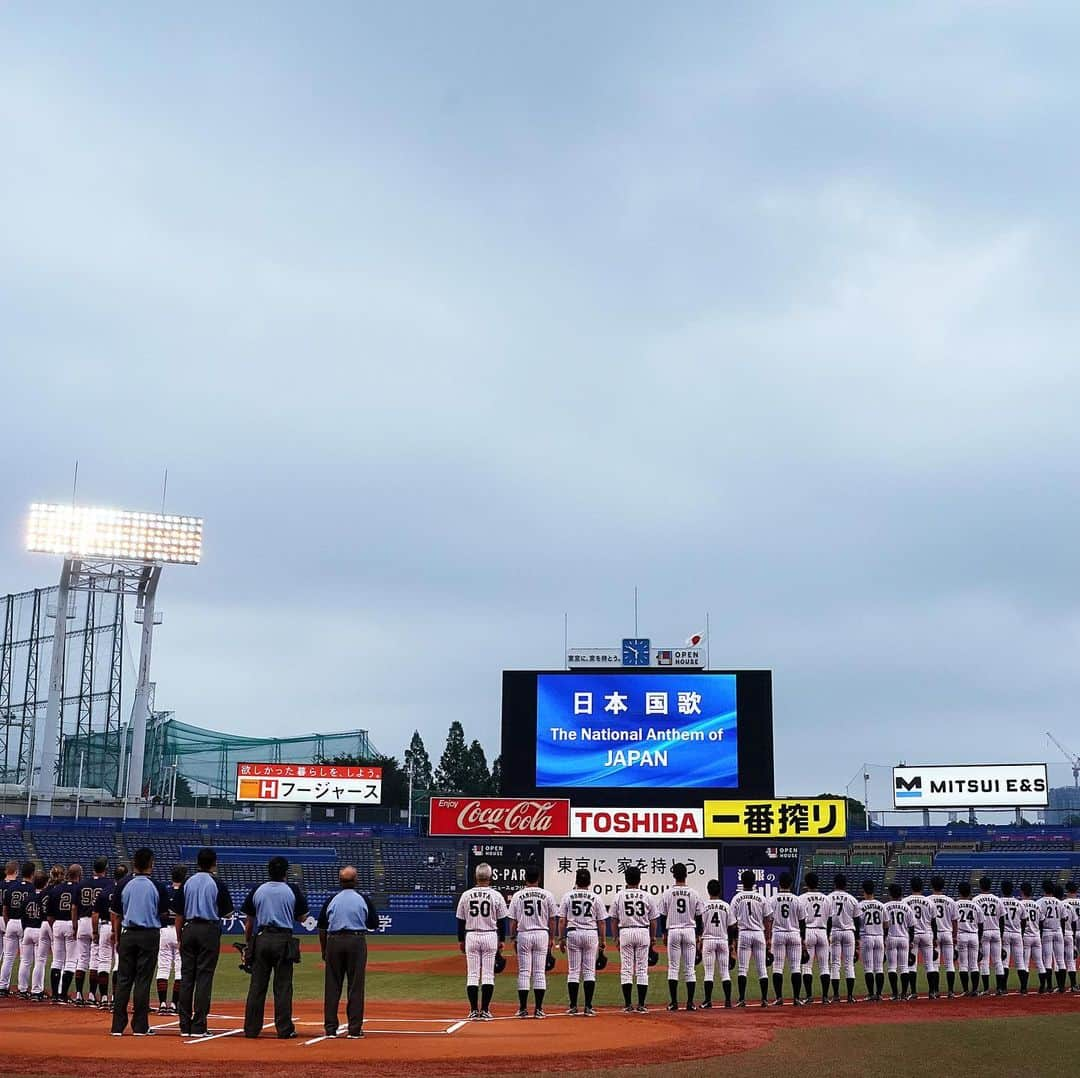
(635, 651)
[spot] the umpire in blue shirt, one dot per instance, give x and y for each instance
(344, 923)
(200, 904)
(138, 906)
(271, 910)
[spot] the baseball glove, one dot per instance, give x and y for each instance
(697, 957)
(601, 960)
(245, 956)
(768, 958)
(549, 962)
(500, 963)
(654, 956)
(732, 962)
(913, 958)
(805, 956)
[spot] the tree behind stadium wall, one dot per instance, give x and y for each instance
(463, 768)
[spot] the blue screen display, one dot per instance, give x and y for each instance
(614, 729)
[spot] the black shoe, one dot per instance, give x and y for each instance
(672, 1006)
(286, 1036)
(354, 1036)
(691, 1007)
(741, 1003)
(707, 1005)
(146, 1033)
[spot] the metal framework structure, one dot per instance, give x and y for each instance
(89, 705)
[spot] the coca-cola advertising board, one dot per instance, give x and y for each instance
(500, 817)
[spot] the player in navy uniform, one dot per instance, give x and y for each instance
(86, 949)
(16, 895)
(31, 955)
(101, 922)
(62, 910)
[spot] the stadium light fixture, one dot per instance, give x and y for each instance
(112, 550)
(88, 532)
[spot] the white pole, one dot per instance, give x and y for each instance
(172, 809)
(410, 794)
(140, 709)
(866, 794)
(195, 798)
(30, 782)
(78, 792)
(50, 733)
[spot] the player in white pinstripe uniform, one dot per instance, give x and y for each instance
(945, 926)
(582, 926)
(1032, 939)
(816, 912)
(843, 936)
(1048, 913)
(753, 916)
(872, 942)
(532, 923)
(681, 908)
(633, 916)
(480, 915)
(1012, 935)
(719, 927)
(1072, 900)
(788, 934)
(925, 940)
(969, 930)
(899, 940)
(990, 944)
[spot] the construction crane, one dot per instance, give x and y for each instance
(1073, 759)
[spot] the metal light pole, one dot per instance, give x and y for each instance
(78, 792)
(172, 809)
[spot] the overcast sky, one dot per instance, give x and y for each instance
(450, 318)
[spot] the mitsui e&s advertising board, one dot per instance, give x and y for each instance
(662, 735)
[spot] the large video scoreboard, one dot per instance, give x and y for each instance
(657, 737)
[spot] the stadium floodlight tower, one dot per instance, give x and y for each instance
(116, 551)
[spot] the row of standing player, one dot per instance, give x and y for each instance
(968, 935)
(63, 918)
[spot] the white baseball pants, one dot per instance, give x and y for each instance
(967, 954)
(63, 946)
(752, 943)
(13, 931)
(990, 954)
(898, 951)
(480, 951)
(947, 953)
(106, 953)
(86, 957)
(716, 952)
(1013, 945)
(634, 955)
(873, 954)
(1053, 950)
(31, 959)
(582, 947)
(1033, 951)
(817, 949)
(168, 956)
(532, 949)
(1070, 951)
(787, 952)
(843, 953)
(924, 951)
(681, 952)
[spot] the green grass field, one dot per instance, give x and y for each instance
(1036, 1045)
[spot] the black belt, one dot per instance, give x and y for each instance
(273, 928)
(348, 932)
(201, 921)
(141, 928)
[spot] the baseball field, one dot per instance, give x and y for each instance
(416, 1005)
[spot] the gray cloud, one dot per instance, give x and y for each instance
(449, 325)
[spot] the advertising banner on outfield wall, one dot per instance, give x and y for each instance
(787, 819)
(636, 823)
(971, 786)
(309, 784)
(508, 863)
(607, 867)
(500, 817)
